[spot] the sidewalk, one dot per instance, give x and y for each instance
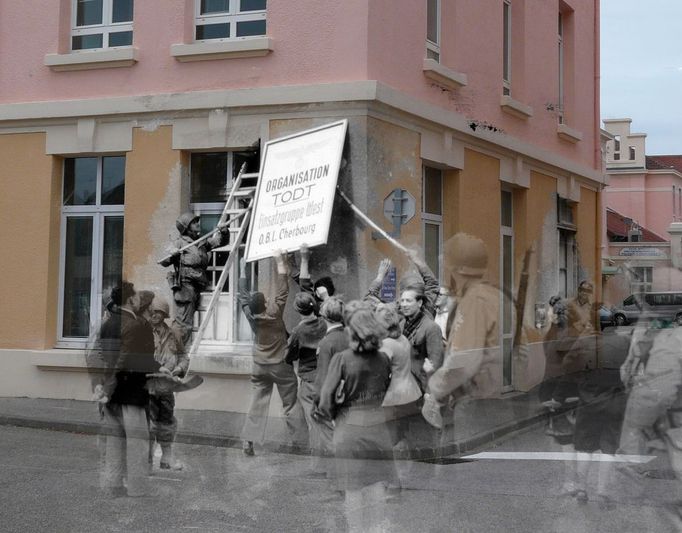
(477, 422)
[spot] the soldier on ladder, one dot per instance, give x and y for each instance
(189, 278)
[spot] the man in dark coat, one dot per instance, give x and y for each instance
(125, 411)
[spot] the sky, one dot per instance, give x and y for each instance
(641, 69)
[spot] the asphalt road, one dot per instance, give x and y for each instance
(49, 482)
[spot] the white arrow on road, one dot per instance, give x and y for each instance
(562, 456)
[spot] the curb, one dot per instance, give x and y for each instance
(457, 448)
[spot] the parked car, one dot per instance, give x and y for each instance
(665, 306)
(605, 317)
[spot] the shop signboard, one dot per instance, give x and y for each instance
(295, 192)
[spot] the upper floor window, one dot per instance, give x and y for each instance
(506, 47)
(229, 19)
(565, 215)
(101, 24)
(633, 153)
(433, 29)
(616, 148)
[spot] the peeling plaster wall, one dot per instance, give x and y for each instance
(393, 163)
(535, 227)
(154, 199)
(542, 232)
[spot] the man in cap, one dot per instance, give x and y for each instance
(170, 354)
(472, 362)
(189, 278)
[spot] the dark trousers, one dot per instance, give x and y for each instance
(162, 422)
(186, 303)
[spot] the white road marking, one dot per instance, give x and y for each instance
(561, 456)
(165, 478)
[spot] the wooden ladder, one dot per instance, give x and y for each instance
(238, 219)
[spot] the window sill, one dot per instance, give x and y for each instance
(443, 75)
(568, 134)
(255, 47)
(234, 359)
(92, 59)
(515, 108)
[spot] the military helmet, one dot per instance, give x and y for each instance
(466, 254)
(184, 220)
(159, 304)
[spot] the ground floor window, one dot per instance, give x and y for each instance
(211, 179)
(91, 241)
(507, 285)
(432, 217)
(567, 263)
(642, 279)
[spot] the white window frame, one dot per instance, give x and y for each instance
(105, 28)
(231, 287)
(433, 48)
(506, 47)
(98, 212)
(433, 219)
(644, 283)
(233, 16)
(571, 264)
(507, 231)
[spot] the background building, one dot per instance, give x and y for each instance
(115, 118)
(644, 208)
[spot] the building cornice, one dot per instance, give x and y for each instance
(638, 189)
(35, 115)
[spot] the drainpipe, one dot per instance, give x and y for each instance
(597, 117)
(598, 164)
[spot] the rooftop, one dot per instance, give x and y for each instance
(664, 162)
(617, 227)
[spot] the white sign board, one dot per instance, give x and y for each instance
(295, 193)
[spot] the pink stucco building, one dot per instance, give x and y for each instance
(646, 188)
(116, 116)
(645, 192)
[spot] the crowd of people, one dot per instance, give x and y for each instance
(367, 379)
(357, 379)
(375, 379)
(617, 417)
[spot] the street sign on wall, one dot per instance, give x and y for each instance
(295, 193)
(389, 285)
